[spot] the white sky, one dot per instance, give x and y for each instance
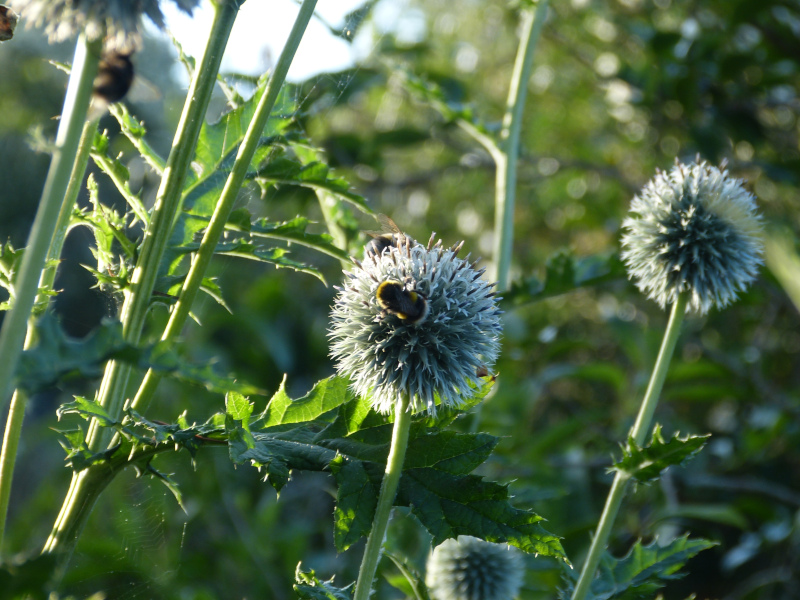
(260, 32)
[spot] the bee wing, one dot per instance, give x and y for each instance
(387, 225)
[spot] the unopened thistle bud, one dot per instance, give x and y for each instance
(417, 322)
(469, 568)
(694, 230)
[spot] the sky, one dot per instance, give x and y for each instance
(261, 30)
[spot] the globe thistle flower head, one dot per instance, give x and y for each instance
(469, 568)
(694, 230)
(116, 21)
(414, 321)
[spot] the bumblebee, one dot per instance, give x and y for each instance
(8, 21)
(114, 77)
(407, 305)
(389, 236)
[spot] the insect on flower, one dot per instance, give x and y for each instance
(396, 299)
(389, 236)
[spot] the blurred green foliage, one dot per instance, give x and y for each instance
(619, 88)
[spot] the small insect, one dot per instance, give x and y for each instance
(407, 305)
(483, 371)
(8, 21)
(114, 76)
(389, 236)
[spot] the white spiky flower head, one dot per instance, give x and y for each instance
(694, 230)
(116, 21)
(469, 568)
(387, 357)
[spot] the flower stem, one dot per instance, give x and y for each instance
(638, 433)
(16, 411)
(167, 207)
(506, 160)
(73, 116)
(391, 478)
(216, 225)
(83, 489)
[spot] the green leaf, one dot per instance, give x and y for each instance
(239, 408)
(646, 464)
(410, 581)
(565, 273)
(57, 357)
(309, 587)
(314, 175)
(435, 483)
(325, 396)
(641, 573)
(294, 231)
(10, 261)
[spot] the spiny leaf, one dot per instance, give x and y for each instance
(325, 396)
(641, 573)
(309, 587)
(57, 356)
(646, 464)
(135, 131)
(314, 175)
(435, 483)
(10, 261)
(565, 273)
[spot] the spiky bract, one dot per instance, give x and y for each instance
(387, 358)
(694, 230)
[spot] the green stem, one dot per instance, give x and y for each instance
(73, 116)
(506, 160)
(16, 411)
(391, 478)
(638, 433)
(506, 153)
(83, 490)
(216, 225)
(165, 210)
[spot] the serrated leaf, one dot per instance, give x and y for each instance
(295, 231)
(435, 482)
(239, 408)
(57, 357)
(645, 569)
(646, 464)
(309, 587)
(325, 396)
(314, 175)
(565, 273)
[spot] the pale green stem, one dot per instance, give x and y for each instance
(16, 411)
(506, 175)
(165, 210)
(216, 225)
(506, 153)
(638, 433)
(83, 490)
(26, 286)
(391, 479)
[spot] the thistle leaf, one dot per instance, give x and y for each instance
(646, 464)
(639, 574)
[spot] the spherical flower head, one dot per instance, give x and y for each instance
(433, 334)
(116, 21)
(694, 230)
(468, 568)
